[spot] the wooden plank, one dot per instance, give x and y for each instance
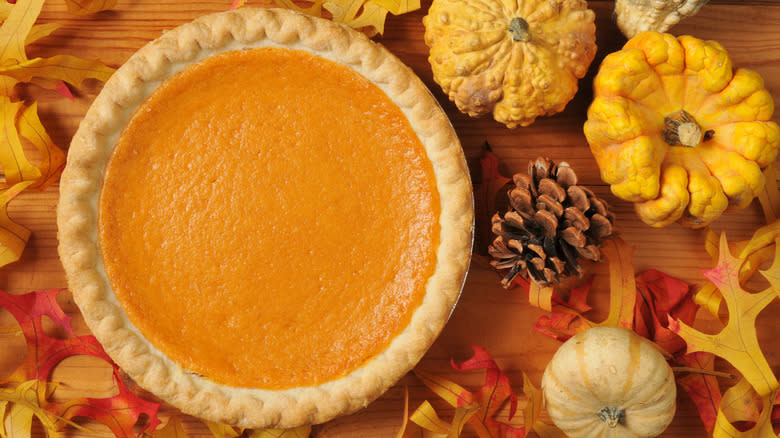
(486, 315)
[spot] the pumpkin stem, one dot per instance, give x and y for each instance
(519, 29)
(612, 416)
(681, 129)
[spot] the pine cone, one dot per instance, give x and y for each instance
(551, 222)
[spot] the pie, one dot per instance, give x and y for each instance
(265, 219)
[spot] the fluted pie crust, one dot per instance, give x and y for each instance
(81, 184)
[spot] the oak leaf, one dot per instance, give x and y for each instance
(494, 393)
(737, 342)
(120, 412)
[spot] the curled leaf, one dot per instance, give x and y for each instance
(738, 341)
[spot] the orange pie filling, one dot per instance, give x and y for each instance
(269, 219)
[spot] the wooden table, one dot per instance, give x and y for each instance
(486, 315)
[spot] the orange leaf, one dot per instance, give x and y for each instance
(737, 342)
(84, 7)
(660, 297)
(173, 429)
(120, 412)
(622, 286)
(488, 185)
(702, 388)
(495, 391)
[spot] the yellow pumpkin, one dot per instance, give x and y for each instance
(674, 129)
(609, 382)
(518, 60)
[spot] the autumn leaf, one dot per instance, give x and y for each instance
(84, 7)
(426, 417)
(738, 341)
(488, 185)
(661, 297)
(16, 67)
(298, 432)
(763, 425)
(220, 430)
(120, 412)
(702, 387)
(769, 197)
(173, 429)
(494, 393)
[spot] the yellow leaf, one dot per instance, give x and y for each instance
(315, 9)
(13, 237)
(220, 430)
(741, 403)
(298, 432)
(52, 157)
(67, 68)
(173, 429)
(18, 422)
(40, 31)
(23, 402)
(451, 392)
(772, 274)
(737, 342)
(84, 7)
(539, 296)
(762, 429)
(533, 408)
(12, 159)
(13, 32)
(622, 284)
(434, 427)
(5, 9)
(769, 197)
(398, 7)
(426, 417)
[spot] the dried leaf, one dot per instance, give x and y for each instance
(762, 429)
(661, 297)
(434, 427)
(220, 430)
(85, 7)
(741, 403)
(13, 237)
(495, 391)
(21, 404)
(769, 197)
(488, 185)
(702, 388)
(737, 342)
(173, 429)
(298, 432)
(622, 286)
(120, 412)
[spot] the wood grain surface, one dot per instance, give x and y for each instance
(486, 314)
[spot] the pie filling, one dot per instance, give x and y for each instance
(269, 219)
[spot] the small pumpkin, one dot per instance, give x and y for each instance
(636, 16)
(674, 129)
(609, 382)
(518, 60)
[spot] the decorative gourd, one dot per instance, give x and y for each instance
(675, 130)
(635, 16)
(518, 60)
(609, 382)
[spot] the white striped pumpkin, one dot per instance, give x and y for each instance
(609, 382)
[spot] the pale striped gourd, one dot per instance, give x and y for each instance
(609, 382)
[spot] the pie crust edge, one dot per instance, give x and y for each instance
(78, 209)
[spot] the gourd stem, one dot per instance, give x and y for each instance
(705, 372)
(519, 29)
(681, 129)
(612, 416)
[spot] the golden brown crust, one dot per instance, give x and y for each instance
(80, 187)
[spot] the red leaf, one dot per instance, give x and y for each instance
(120, 412)
(487, 186)
(63, 89)
(566, 320)
(661, 297)
(27, 308)
(490, 397)
(703, 389)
